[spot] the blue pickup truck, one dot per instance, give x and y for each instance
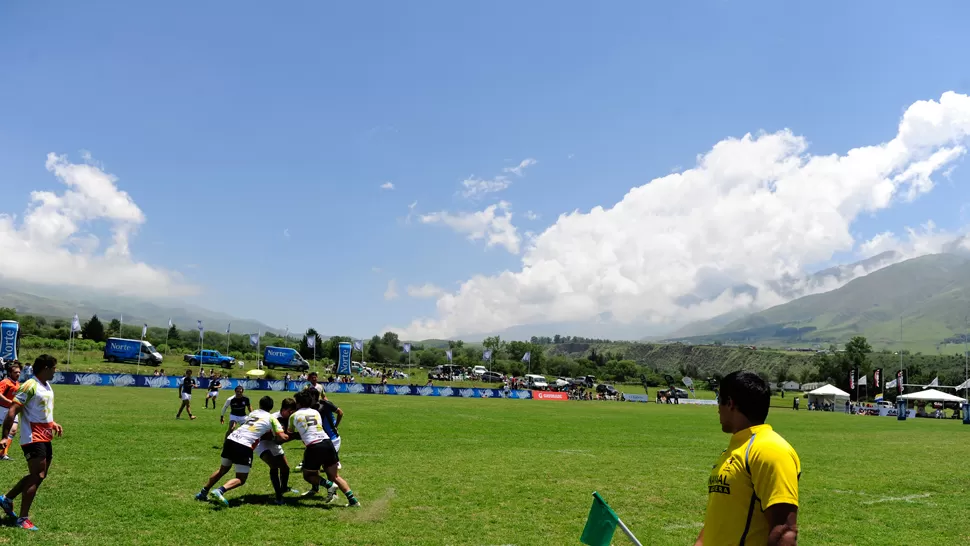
(281, 357)
(209, 358)
(131, 350)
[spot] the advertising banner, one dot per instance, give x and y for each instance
(343, 358)
(636, 397)
(546, 395)
(8, 339)
(698, 402)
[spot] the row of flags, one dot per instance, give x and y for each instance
(898, 383)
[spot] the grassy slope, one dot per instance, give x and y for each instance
(455, 471)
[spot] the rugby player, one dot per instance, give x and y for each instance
(213, 393)
(312, 378)
(238, 448)
(271, 452)
(319, 451)
(185, 393)
(35, 401)
(239, 407)
(8, 390)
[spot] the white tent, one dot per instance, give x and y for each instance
(827, 393)
(931, 395)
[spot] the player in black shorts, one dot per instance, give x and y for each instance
(239, 407)
(214, 385)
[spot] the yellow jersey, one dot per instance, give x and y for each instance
(757, 470)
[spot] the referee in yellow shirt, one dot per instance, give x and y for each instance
(752, 492)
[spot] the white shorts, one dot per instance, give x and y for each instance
(186, 396)
(212, 394)
(274, 449)
(238, 419)
(336, 447)
(240, 468)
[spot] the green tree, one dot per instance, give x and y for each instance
(391, 340)
(114, 327)
(8, 313)
(622, 370)
(857, 352)
(93, 329)
(173, 335)
(308, 352)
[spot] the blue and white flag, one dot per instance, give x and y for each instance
(75, 324)
(144, 331)
(311, 342)
(359, 345)
(487, 355)
(407, 348)
(254, 340)
(201, 330)
(448, 354)
(527, 357)
(228, 328)
(170, 322)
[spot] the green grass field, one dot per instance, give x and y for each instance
(460, 471)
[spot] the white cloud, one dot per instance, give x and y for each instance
(286, 233)
(477, 187)
(387, 186)
(523, 165)
(494, 225)
(391, 292)
(529, 215)
(425, 291)
(411, 208)
(52, 243)
(750, 211)
(927, 239)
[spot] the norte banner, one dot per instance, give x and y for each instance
(636, 397)
(547, 395)
(8, 339)
(698, 401)
(343, 358)
(877, 378)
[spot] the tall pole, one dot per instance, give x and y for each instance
(900, 387)
(138, 366)
(70, 347)
(228, 337)
(166, 340)
(966, 355)
(201, 347)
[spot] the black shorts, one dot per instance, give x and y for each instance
(320, 455)
(38, 450)
(237, 453)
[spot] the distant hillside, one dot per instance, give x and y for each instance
(930, 293)
(64, 305)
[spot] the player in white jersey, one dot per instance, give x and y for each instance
(319, 451)
(271, 452)
(238, 448)
(35, 404)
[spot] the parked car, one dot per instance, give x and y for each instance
(479, 370)
(131, 350)
(536, 382)
(606, 389)
(209, 358)
(586, 381)
(492, 377)
(563, 382)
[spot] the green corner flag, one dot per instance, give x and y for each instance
(601, 523)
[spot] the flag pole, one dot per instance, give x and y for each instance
(70, 347)
(166, 336)
(626, 531)
(138, 366)
(228, 335)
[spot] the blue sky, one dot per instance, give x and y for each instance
(255, 139)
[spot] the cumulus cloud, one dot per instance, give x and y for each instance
(53, 242)
(387, 186)
(476, 187)
(494, 225)
(529, 215)
(523, 165)
(425, 291)
(750, 211)
(391, 292)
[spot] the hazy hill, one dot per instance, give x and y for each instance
(58, 303)
(930, 293)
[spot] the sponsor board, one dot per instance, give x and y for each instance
(636, 397)
(546, 395)
(697, 402)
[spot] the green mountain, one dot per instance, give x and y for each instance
(931, 295)
(63, 304)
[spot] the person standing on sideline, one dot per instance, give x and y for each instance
(8, 390)
(185, 393)
(752, 491)
(35, 402)
(239, 407)
(795, 404)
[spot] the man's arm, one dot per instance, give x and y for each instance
(700, 538)
(7, 401)
(782, 524)
(340, 416)
(9, 417)
(222, 417)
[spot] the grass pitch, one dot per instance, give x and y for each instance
(484, 472)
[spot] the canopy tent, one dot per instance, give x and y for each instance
(931, 395)
(827, 393)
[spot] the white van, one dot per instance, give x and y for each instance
(537, 382)
(479, 370)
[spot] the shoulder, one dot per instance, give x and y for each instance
(770, 447)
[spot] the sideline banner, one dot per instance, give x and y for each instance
(343, 358)
(173, 382)
(636, 397)
(698, 402)
(546, 395)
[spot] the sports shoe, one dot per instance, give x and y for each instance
(200, 496)
(25, 524)
(310, 493)
(277, 502)
(331, 492)
(4, 457)
(293, 491)
(7, 506)
(355, 504)
(299, 467)
(216, 494)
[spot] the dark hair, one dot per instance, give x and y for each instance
(288, 404)
(266, 403)
(44, 362)
(311, 374)
(314, 394)
(750, 395)
(303, 399)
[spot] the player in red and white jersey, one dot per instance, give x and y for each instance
(35, 404)
(238, 448)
